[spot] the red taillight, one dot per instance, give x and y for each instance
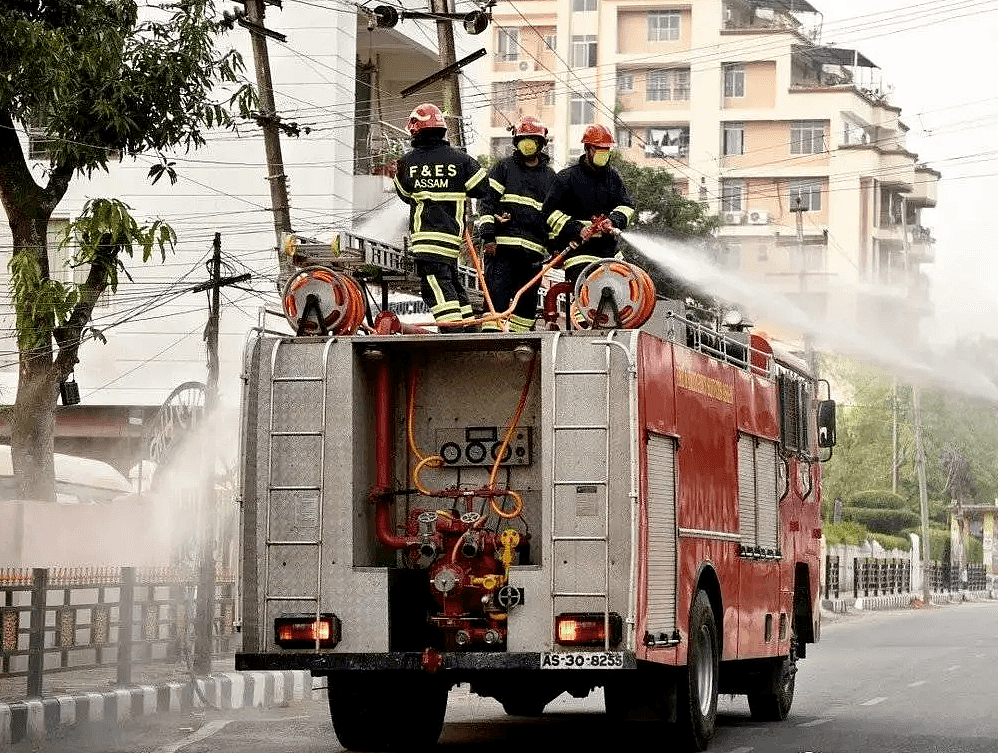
(302, 631)
(586, 629)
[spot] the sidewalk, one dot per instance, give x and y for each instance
(91, 696)
(901, 601)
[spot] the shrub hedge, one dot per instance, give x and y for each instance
(876, 498)
(879, 520)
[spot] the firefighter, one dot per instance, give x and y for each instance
(436, 180)
(588, 205)
(512, 228)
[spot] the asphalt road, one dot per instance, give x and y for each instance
(920, 681)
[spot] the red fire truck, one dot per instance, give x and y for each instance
(636, 509)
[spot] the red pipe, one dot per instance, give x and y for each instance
(381, 493)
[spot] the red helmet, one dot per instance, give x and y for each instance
(597, 135)
(427, 115)
(530, 126)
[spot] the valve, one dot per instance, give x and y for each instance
(600, 224)
(509, 540)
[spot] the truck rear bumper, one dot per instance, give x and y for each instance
(322, 663)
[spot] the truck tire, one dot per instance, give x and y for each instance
(774, 707)
(696, 707)
(360, 708)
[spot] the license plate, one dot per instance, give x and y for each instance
(582, 660)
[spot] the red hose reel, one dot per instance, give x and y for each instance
(613, 294)
(319, 300)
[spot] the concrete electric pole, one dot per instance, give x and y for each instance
(923, 497)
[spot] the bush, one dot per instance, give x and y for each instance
(878, 499)
(879, 520)
(845, 533)
(938, 542)
(892, 542)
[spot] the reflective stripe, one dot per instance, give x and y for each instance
(625, 210)
(513, 198)
(497, 185)
(509, 240)
(401, 190)
(520, 323)
(430, 235)
(486, 218)
(438, 196)
(440, 308)
(556, 221)
(490, 327)
(438, 293)
(467, 312)
(417, 217)
(454, 317)
(575, 261)
(475, 179)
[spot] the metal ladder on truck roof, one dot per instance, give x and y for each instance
(272, 487)
(560, 377)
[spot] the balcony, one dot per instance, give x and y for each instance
(923, 246)
(926, 188)
(769, 15)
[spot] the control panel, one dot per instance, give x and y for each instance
(478, 446)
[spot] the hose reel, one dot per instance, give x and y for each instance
(612, 294)
(319, 300)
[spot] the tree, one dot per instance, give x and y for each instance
(95, 81)
(661, 209)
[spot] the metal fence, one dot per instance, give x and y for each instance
(79, 618)
(945, 577)
(832, 579)
(874, 576)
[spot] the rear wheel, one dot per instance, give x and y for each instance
(696, 709)
(774, 707)
(363, 718)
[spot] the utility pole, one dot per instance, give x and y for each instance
(269, 120)
(923, 496)
(448, 56)
(894, 437)
(206, 565)
(809, 355)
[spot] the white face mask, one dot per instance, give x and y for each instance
(601, 157)
(527, 147)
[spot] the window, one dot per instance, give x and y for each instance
(734, 81)
(508, 45)
(732, 195)
(795, 399)
(584, 51)
(663, 25)
(807, 137)
(583, 110)
(580, 6)
(734, 139)
(668, 142)
(549, 97)
(503, 96)
(625, 82)
(668, 84)
(551, 42)
(623, 138)
(809, 193)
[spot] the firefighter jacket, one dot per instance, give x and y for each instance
(579, 193)
(517, 189)
(435, 180)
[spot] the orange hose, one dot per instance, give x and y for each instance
(481, 278)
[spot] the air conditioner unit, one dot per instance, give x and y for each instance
(732, 218)
(524, 65)
(758, 217)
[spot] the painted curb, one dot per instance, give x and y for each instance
(35, 719)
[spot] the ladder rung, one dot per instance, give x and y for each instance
(580, 483)
(296, 433)
(292, 598)
(579, 595)
(580, 372)
(298, 379)
(581, 427)
(279, 542)
(580, 538)
(310, 488)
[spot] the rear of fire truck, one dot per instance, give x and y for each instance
(422, 511)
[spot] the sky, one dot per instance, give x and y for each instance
(934, 55)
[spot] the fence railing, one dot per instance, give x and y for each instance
(873, 576)
(67, 619)
(832, 578)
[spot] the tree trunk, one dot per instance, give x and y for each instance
(32, 437)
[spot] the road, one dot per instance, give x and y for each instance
(895, 682)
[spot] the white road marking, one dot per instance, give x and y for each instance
(955, 666)
(206, 731)
(874, 701)
(815, 722)
(916, 683)
(742, 750)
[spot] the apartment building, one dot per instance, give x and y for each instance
(794, 143)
